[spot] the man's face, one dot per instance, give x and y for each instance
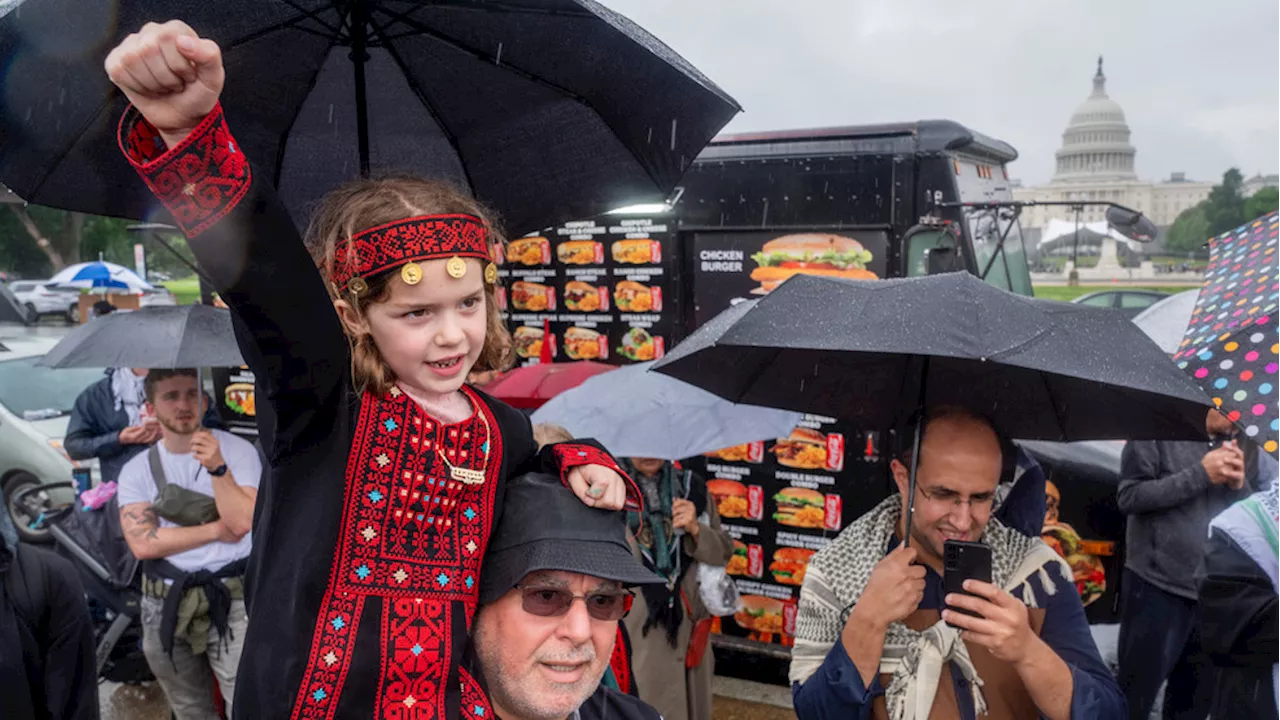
(543, 668)
(956, 484)
(1218, 425)
(176, 405)
(648, 466)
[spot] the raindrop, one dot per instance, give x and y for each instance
(824, 187)
(649, 137)
(497, 60)
(673, 133)
(62, 96)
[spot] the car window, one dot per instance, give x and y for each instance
(22, 287)
(28, 388)
(1100, 300)
(1138, 300)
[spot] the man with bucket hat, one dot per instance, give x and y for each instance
(541, 652)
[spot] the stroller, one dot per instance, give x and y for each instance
(94, 542)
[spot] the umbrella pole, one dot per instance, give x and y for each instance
(359, 38)
(915, 454)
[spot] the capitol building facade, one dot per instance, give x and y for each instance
(1096, 162)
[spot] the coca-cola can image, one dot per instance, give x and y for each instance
(755, 502)
(835, 452)
(755, 452)
(832, 510)
(755, 561)
(789, 618)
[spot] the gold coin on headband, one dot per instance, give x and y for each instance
(456, 267)
(357, 286)
(411, 273)
(491, 273)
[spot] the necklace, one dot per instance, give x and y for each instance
(466, 475)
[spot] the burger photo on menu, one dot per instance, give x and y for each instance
(809, 254)
(633, 252)
(804, 449)
(529, 251)
(800, 507)
(631, 296)
(240, 398)
(730, 497)
(527, 342)
(637, 345)
(581, 297)
(789, 564)
(738, 563)
(529, 296)
(581, 344)
(578, 252)
(760, 614)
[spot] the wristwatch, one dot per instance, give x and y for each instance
(218, 471)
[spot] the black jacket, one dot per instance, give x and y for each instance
(608, 704)
(48, 670)
(94, 430)
(1237, 619)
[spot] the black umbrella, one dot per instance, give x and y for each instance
(873, 353)
(547, 110)
(189, 336)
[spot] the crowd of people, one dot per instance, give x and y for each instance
(404, 545)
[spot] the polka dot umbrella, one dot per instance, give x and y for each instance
(1230, 346)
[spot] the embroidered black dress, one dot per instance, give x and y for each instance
(367, 553)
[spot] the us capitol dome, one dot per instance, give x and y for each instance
(1096, 162)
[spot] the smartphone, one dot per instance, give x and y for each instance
(964, 561)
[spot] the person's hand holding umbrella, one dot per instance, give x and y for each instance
(684, 517)
(171, 75)
(1225, 465)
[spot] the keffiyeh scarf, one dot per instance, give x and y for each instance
(127, 390)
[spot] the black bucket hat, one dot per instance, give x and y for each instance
(544, 526)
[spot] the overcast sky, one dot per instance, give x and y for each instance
(1199, 81)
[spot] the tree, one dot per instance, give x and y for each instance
(38, 241)
(1226, 203)
(1266, 200)
(1190, 231)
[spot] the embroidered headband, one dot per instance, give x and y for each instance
(404, 243)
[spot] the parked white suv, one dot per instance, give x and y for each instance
(44, 299)
(35, 407)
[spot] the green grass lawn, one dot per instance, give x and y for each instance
(1066, 293)
(187, 290)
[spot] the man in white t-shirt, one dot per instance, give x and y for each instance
(193, 615)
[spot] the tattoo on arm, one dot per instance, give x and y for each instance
(142, 523)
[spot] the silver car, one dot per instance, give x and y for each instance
(35, 407)
(44, 299)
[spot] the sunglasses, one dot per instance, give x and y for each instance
(554, 602)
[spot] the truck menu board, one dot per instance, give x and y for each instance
(782, 500)
(604, 288)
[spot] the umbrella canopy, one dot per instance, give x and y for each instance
(547, 110)
(1166, 321)
(532, 385)
(637, 413)
(189, 336)
(865, 351)
(99, 274)
(1230, 345)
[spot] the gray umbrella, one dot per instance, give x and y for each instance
(1166, 321)
(637, 413)
(190, 336)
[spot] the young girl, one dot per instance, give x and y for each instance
(386, 470)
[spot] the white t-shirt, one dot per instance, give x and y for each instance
(135, 485)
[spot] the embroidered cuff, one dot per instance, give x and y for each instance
(570, 455)
(200, 180)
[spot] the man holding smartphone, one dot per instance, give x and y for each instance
(1171, 491)
(878, 634)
